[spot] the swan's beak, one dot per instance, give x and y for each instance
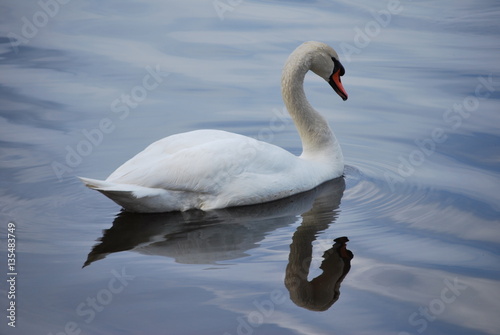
(336, 84)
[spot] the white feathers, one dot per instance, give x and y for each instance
(208, 169)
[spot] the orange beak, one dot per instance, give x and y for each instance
(336, 84)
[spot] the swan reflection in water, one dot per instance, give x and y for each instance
(197, 237)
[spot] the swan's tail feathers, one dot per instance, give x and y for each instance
(108, 188)
(133, 198)
(95, 184)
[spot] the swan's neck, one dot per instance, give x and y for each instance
(315, 133)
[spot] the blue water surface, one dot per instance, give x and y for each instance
(84, 85)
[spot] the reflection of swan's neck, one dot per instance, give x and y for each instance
(314, 131)
(323, 291)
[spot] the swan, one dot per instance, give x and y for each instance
(212, 169)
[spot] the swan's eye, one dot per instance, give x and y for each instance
(337, 66)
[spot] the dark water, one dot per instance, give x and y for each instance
(87, 84)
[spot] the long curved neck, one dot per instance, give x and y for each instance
(314, 131)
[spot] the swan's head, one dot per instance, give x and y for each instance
(325, 63)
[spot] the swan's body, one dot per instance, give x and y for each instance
(209, 169)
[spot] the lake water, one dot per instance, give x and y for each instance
(87, 84)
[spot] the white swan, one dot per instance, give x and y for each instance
(209, 169)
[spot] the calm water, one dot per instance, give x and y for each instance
(87, 84)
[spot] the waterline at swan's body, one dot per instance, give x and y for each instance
(209, 169)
